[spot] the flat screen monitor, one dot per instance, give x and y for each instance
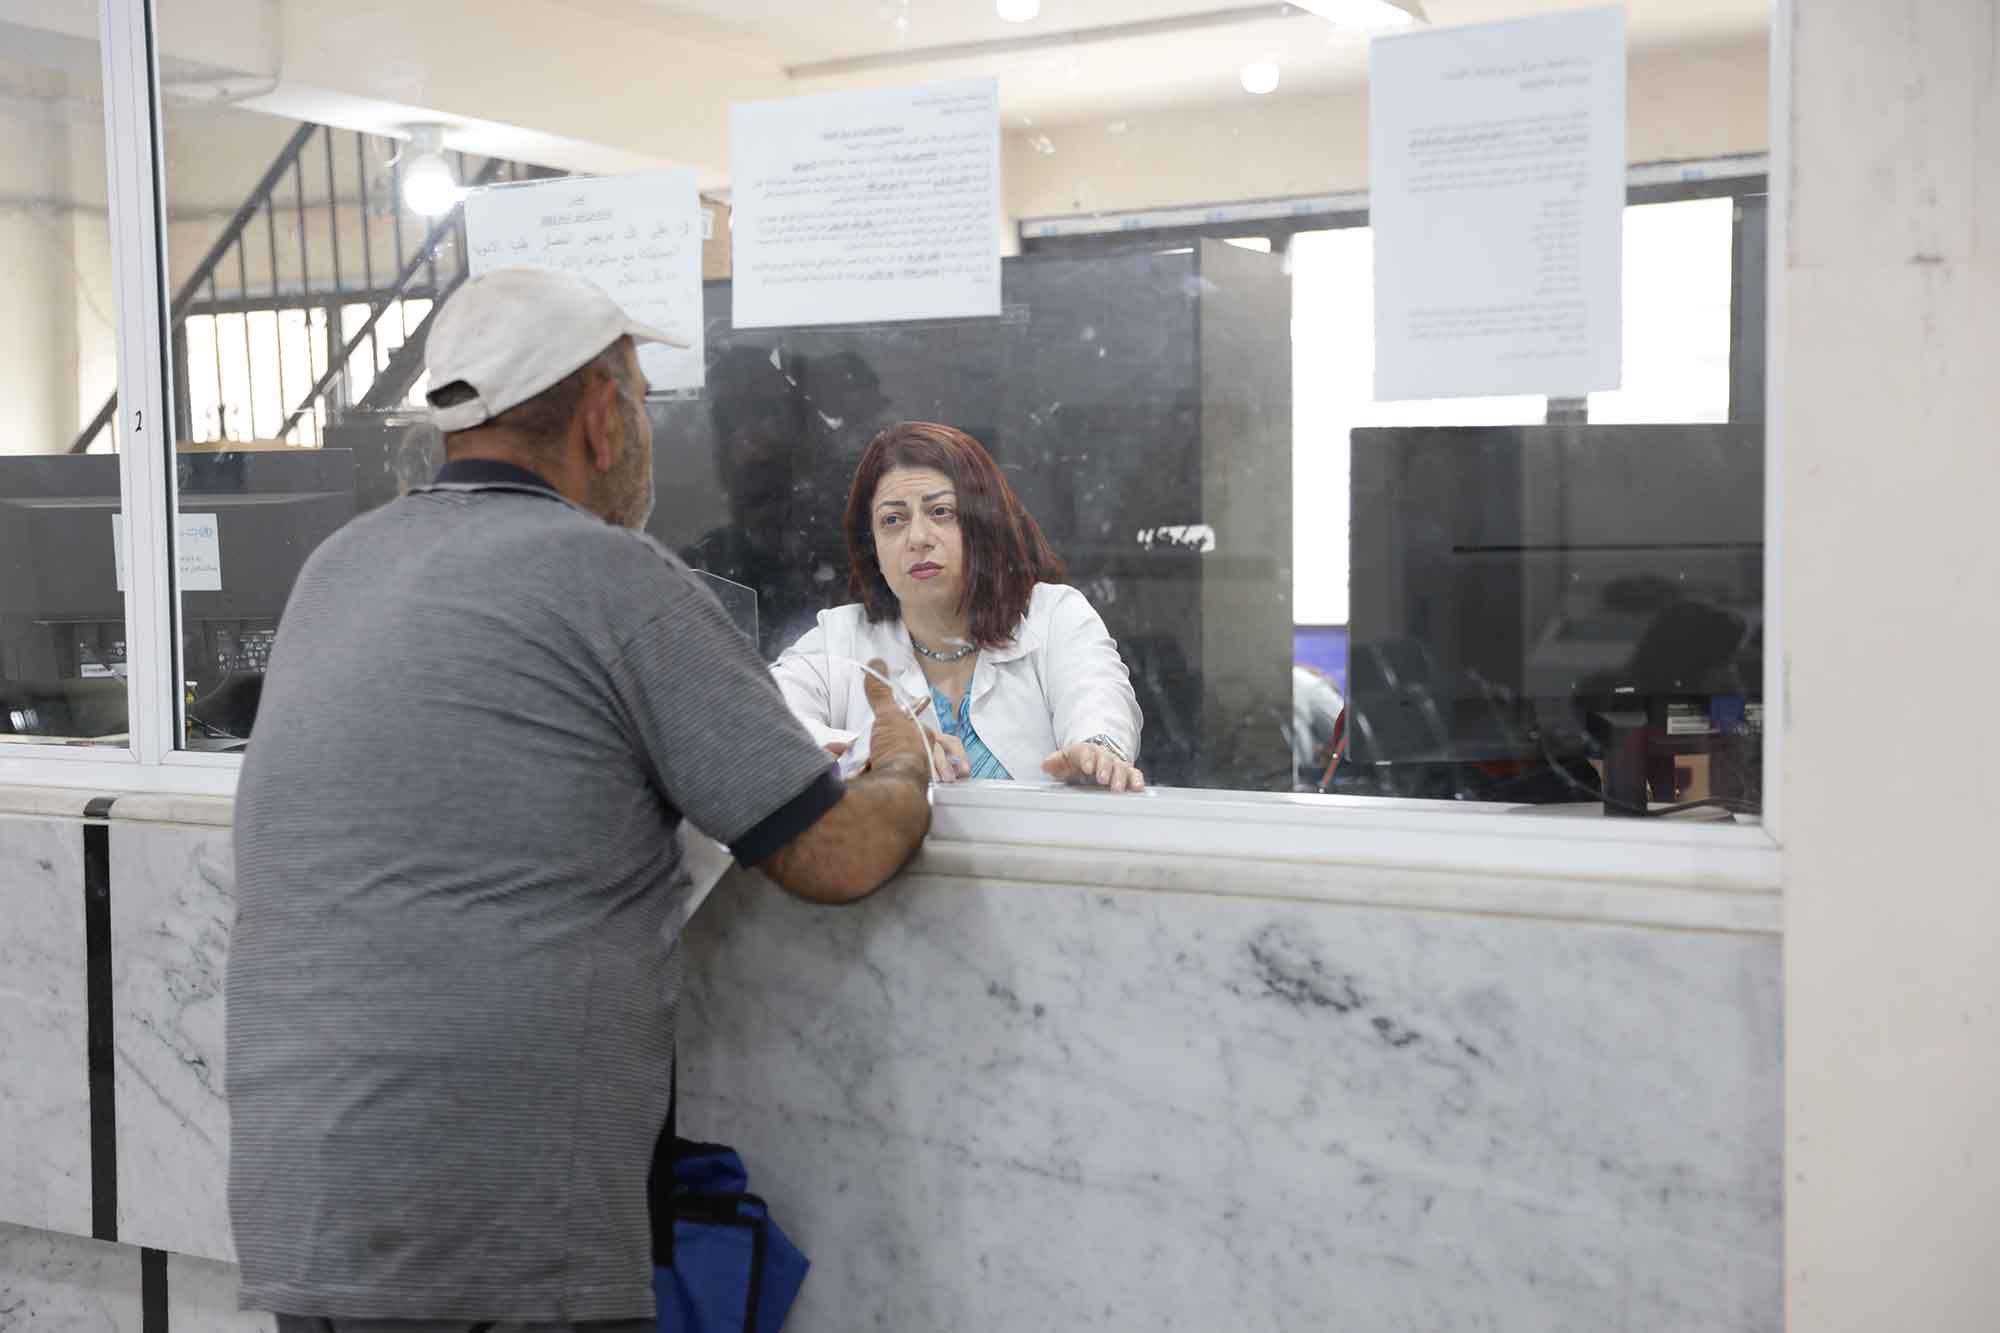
(1506, 581)
(59, 577)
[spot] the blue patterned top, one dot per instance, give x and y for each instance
(959, 724)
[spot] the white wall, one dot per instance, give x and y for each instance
(1701, 101)
(1891, 417)
(223, 34)
(54, 264)
(32, 343)
(92, 286)
(58, 343)
(619, 85)
(600, 85)
(628, 77)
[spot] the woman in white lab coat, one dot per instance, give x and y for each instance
(957, 591)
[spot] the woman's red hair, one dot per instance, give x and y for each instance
(1005, 552)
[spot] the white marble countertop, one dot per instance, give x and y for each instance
(1541, 862)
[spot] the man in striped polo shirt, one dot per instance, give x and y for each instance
(490, 707)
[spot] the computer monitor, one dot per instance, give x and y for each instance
(61, 609)
(1509, 581)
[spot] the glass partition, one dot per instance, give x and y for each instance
(1678, 293)
(1136, 254)
(302, 282)
(62, 604)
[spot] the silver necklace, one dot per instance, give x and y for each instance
(959, 656)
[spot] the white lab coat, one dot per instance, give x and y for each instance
(1059, 682)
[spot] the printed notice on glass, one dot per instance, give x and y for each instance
(1497, 189)
(638, 237)
(197, 548)
(862, 207)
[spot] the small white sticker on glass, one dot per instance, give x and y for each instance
(199, 545)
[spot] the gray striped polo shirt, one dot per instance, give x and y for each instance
(457, 841)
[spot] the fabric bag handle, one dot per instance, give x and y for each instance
(660, 1179)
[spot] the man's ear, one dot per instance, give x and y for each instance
(600, 415)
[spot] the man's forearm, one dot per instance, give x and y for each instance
(890, 827)
(863, 841)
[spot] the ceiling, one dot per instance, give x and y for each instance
(56, 65)
(1072, 80)
(1061, 69)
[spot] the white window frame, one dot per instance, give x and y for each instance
(1227, 827)
(133, 166)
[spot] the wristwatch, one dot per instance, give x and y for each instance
(1105, 742)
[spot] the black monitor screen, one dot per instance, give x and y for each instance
(1508, 580)
(61, 606)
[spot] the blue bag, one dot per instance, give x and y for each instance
(720, 1264)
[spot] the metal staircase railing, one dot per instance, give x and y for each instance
(425, 257)
(430, 271)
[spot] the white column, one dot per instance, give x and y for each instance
(1887, 403)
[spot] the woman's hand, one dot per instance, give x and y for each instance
(1084, 764)
(948, 759)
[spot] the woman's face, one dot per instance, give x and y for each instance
(917, 539)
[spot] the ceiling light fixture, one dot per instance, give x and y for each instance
(1361, 15)
(1018, 11)
(429, 188)
(1260, 77)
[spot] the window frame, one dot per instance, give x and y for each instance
(1325, 831)
(137, 221)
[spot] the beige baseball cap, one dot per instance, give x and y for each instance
(514, 332)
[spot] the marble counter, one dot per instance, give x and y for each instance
(201, 1295)
(1004, 1107)
(172, 906)
(55, 1283)
(998, 1102)
(45, 1095)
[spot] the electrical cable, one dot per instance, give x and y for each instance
(219, 733)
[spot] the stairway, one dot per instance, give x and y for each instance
(314, 300)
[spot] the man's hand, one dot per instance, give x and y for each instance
(879, 822)
(948, 761)
(1084, 764)
(897, 743)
